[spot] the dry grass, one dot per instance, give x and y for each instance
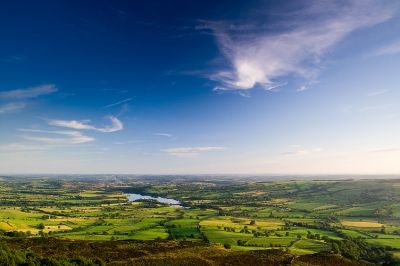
(363, 224)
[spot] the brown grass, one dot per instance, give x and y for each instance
(363, 224)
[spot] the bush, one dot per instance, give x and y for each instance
(227, 246)
(12, 257)
(40, 226)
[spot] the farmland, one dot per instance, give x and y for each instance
(299, 217)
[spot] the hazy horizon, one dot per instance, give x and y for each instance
(218, 176)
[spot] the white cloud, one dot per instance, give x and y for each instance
(28, 92)
(300, 151)
(72, 137)
(70, 124)
(11, 107)
(116, 125)
(376, 93)
(48, 140)
(191, 151)
(391, 49)
(302, 88)
(69, 136)
(296, 46)
(167, 135)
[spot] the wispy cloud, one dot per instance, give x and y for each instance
(191, 151)
(376, 93)
(116, 125)
(391, 49)
(28, 93)
(128, 142)
(21, 147)
(74, 140)
(11, 107)
(375, 107)
(302, 88)
(118, 103)
(385, 150)
(295, 46)
(15, 100)
(66, 137)
(300, 151)
(167, 135)
(72, 137)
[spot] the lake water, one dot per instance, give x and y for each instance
(134, 197)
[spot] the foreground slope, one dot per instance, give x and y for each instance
(167, 253)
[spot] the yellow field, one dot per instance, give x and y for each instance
(256, 193)
(269, 223)
(70, 219)
(240, 222)
(219, 222)
(56, 228)
(278, 201)
(16, 213)
(363, 224)
(6, 226)
(324, 207)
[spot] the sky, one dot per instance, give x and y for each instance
(200, 87)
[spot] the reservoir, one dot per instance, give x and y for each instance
(134, 197)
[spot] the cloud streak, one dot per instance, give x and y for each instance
(11, 107)
(28, 93)
(391, 49)
(118, 103)
(299, 151)
(296, 46)
(128, 142)
(72, 137)
(376, 93)
(386, 150)
(116, 125)
(167, 135)
(191, 151)
(67, 137)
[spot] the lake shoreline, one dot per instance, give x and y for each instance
(171, 202)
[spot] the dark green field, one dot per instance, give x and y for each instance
(359, 220)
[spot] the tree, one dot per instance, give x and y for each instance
(325, 238)
(240, 242)
(40, 226)
(227, 245)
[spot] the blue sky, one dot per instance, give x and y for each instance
(172, 87)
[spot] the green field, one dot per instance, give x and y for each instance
(302, 217)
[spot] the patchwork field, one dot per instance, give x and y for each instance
(302, 217)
